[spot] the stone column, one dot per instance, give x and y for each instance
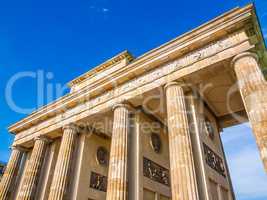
(253, 89)
(183, 177)
(135, 182)
(58, 189)
(33, 169)
(11, 171)
(117, 176)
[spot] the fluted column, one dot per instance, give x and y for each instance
(117, 175)
(11, 171)
(58, 189)
(183, 178)
(253, 89)
(33, 169)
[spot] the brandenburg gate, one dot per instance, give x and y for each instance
(148, 128)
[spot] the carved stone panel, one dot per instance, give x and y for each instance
(214, 161)
(98, 182)
(156, 172)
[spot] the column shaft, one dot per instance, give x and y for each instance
(10, 174)
(253, 89)
(117, 176)
(58, 189)
(33, 169)
(135, 183)
(183, 178)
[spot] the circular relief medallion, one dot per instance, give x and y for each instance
(155, 142)
(102, 156)
(209, 128)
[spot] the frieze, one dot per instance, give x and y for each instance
(156, 172)
(153, 75)
(214, 161)
(98, 182)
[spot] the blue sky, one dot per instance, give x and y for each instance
(246, 169)
(64, 39)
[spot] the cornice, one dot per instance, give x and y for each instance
(178, 47)
(107, 64)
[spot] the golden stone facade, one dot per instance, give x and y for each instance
(152, 131)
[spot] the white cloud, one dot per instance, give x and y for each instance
(105, 9)
(99, 9)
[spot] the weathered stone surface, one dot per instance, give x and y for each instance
(58, 189)
(11, 171)
(253, 89)
(183, 177)
(117, 175)
(33, 170)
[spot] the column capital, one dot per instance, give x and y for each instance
(75, 128)
(124, 105)
(19, 148)
(43, 138)
(242, 55)
(172, 83)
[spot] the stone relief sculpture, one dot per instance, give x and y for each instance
(156, 172)
(98, 182)
(213, 160)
